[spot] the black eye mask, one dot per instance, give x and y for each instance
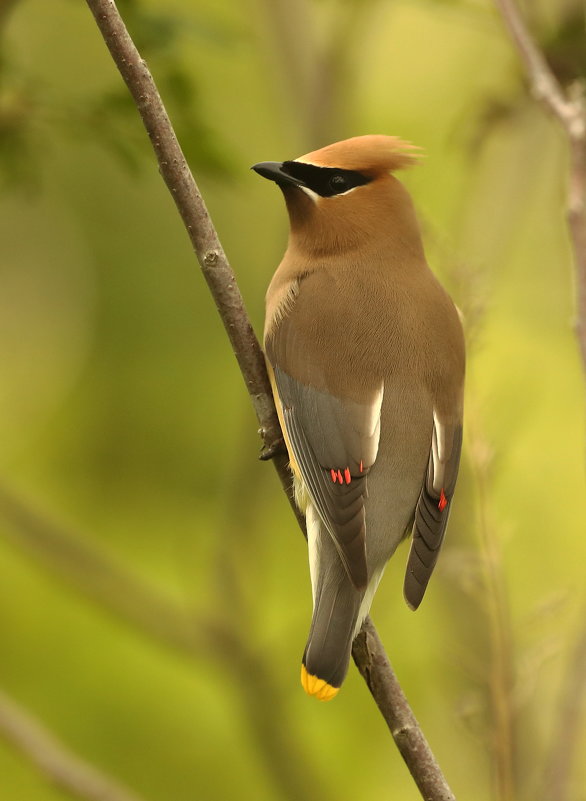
(324, 181)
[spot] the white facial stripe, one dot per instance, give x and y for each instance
(347, 192)
(310, 193)
(317, 199)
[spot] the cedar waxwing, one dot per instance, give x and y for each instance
(365, 353)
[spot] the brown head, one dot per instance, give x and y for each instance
(343, 197)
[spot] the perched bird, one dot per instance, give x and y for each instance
(365, 353)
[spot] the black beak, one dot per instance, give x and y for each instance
(273, 170)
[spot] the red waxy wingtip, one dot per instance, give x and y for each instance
(361, 466)
(443, 501)
(347, 475)
(340, 477)
(334, 475)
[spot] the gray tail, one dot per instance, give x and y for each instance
(327, 653)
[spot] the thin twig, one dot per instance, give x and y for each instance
(567, 733)
(500, 678)
(570, 110)
(106, 582)
(222, 283)
(96, 575)
(130, 600)
(54, 759)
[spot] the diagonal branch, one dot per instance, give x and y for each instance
(570, 110)
(375, 668)
(544, 85)
(200, 229)
(500, 664)
(54, 759)
(372, 661)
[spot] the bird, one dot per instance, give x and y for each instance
(366, 358)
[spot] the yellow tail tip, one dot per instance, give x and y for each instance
(319, 688)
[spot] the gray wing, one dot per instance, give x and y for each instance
(433, 508)
(334, 443)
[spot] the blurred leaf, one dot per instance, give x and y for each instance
(565, 49)
(203, 147)
(151, 31)
(19, 148)
(155, 31)
(109, 119)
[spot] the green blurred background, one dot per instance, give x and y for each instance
(154, 593)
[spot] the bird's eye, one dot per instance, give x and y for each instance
(338, 183)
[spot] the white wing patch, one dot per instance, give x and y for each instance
(439, 453)
(313, 523)
(372, 429)
(375, 412)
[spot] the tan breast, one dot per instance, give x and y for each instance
(281, 295)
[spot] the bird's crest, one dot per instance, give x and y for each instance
(374, 154)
